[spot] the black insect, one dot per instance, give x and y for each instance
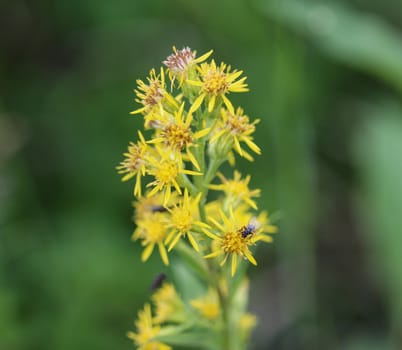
(157, 282)
(158, 209)
(249, 229)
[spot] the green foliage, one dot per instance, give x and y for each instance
(320, 72)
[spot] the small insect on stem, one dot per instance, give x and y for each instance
(157, 282)
(250, 228)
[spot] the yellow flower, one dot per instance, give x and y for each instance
(166, 170)
(237, 128)
(208, 305)
(236, 190)
(217, 81)
(168, 305)
(153, 96)
(183, 221)
(177, 135)
(147, 205)
(146, 332)
(134, 163)
(247, 323)
(152, 231)
(180, 61)
(234, 239)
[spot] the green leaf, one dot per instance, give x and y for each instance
(364, 41)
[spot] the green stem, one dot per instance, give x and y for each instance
(229, 340)
(184, 181)
(200, 151)
(213, 167)
(194, 259)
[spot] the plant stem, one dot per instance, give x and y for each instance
(185, 182)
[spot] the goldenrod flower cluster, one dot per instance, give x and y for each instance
(191, 129)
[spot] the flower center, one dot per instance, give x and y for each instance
(177, 136)
(182, 219)
(215, 82)
(153, 94)
(238, 124)
(154, 231)
(179, 61)
(167, 172)
(134, 161)
(236, 188)
(233, 242)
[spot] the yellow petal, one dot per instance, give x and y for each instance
(174, 242)
(167, 195)
(210, 235)
(264, 238)
(194, 82)
(146, 253)
(138, 111)
(251, 144)
(196, 104)
(211, 104)
(127, 177)
(212, 255)
(201, 133)
(218, 225)
(169, 237)
(192, 159)
(137, 188)
(162, 252)
(203, 57)
(234, 264)
(228, 104)
(190, 172)
(250, 258)
(193, 242)
(217, 135)
(237, 146)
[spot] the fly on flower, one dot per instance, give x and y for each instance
(231, 240)
(250, 228)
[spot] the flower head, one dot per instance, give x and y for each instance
(146, 332)
(236, 190)
(183, 221)
(216, 82)
(166, 170)
(151, 230)
(134, 163)
(181, 61)
(177, 135)
(235, 127)
(208, 306)
(168, 305)
(149, 205)
(153, 95)
(234, 239)
(247, 323)
(262, 221)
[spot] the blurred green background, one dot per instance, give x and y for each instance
(326, 80)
